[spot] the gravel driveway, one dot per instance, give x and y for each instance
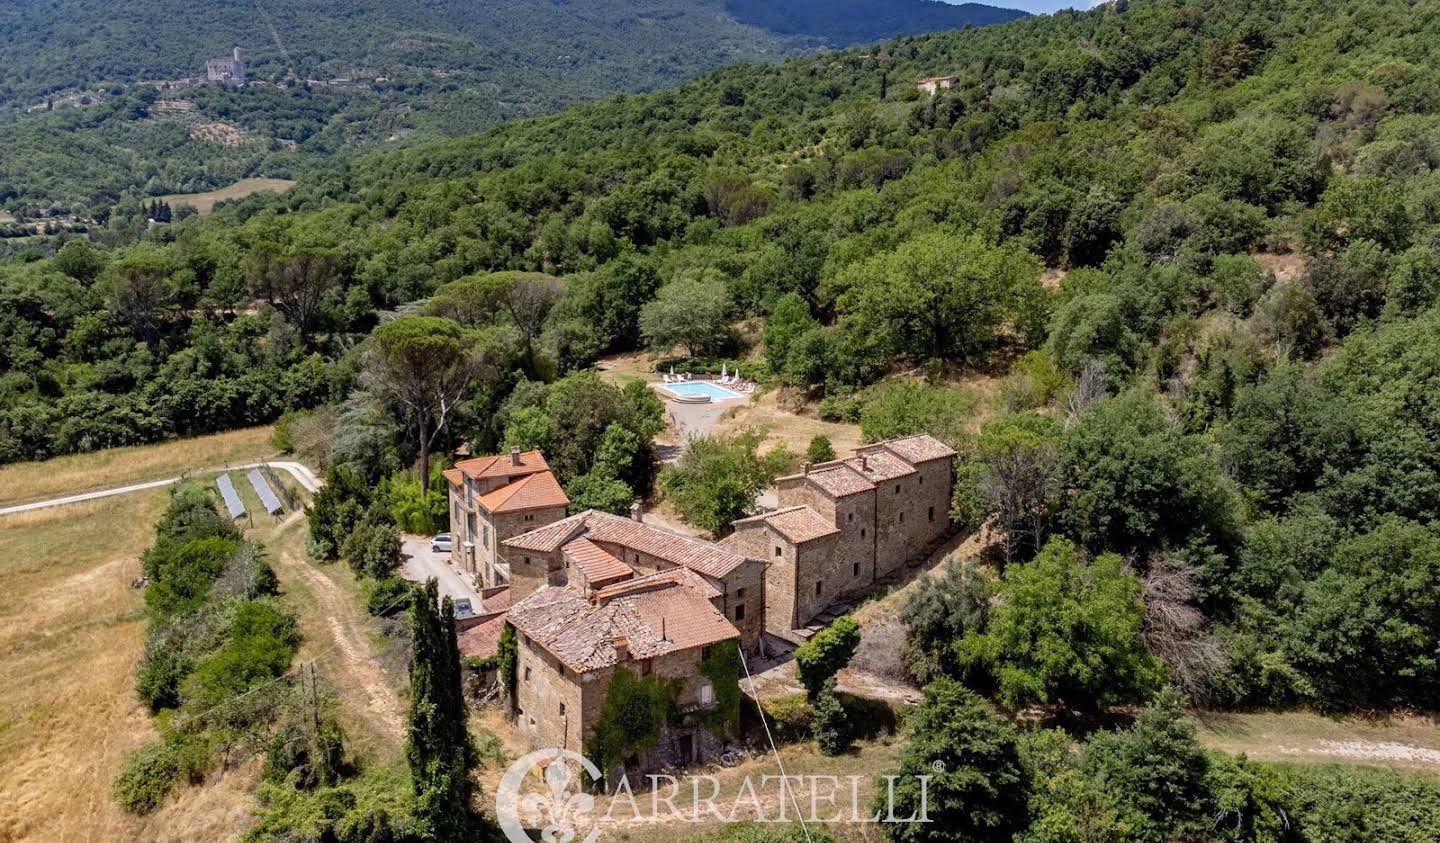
(421, 564)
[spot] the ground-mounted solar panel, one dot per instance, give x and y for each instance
(232, 500)
(267, 495)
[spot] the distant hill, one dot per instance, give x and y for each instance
(576, 47)
(859, 21)
(78, 131)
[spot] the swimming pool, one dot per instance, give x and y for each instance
(695, 390)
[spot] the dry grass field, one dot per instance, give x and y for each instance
(70, 635)
(204, 203)
(31, 481)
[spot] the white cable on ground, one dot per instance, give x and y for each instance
(784, 779)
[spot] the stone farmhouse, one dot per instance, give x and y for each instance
(594, 592)
(935, 84)
(571, 640)
(495, 498)
(842, 526)
(595, 550)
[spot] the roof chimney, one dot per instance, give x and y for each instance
(622, 648)
(805, 467)
(635, 511)
(864, 462)
(514, 454)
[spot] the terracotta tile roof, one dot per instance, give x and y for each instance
(483, 639)
(919, 448)
(656, 615)
(496, 601)
(880, 466)
(597, 565)
(800, 524)
(686, 551)
(533, 491)
(840, 481)
(454, 476)
(550, 537)
(500, 465)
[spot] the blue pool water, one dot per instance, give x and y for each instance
(691, 389)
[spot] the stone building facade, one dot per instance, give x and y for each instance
(846, 524)
(227, 70)
(495, 498)
(597, 549)
(570, 640)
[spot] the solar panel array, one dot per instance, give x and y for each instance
(232, 500)
(267, 497)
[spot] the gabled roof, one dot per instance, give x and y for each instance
(501, 465)
(533, 491)
(798, 524)
(840, 481)
(654, 615)
(597, 565)
(922, 447)
(483, 639)
(685, 551)
(454, 476)
(549, 537)
(879, 466)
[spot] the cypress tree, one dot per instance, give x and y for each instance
(438, 749)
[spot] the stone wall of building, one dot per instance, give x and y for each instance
(542, 686)
(892, 539)
(742, 602)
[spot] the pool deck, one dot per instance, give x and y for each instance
(692, 419)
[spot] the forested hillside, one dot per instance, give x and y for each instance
(421, 71)
(1202, 239)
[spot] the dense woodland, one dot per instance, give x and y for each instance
(1201, 241)
(89, 135)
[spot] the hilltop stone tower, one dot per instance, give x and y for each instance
(227, 71)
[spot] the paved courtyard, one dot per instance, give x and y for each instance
(421, 564)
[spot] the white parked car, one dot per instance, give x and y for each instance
(441, 543)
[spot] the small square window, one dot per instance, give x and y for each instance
(704, 653)
(739, 594)
(902, 518)
(850, 517)
(527, 674)
(740, 612)
(818, 584)
(932, 513)
(777, 550)
(855, 569)
(862, 532)
(897, 488)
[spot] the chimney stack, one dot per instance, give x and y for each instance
(622, 648)
(805, 467)
(635, 512)
(514, 454)
(864, 462)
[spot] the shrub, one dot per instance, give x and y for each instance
(789, 717)
(153, 770)
(385, 597)
(832, 729)
(820, 449)
(826, 653)
(373, 549)
(904, 407)
(147, 777)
